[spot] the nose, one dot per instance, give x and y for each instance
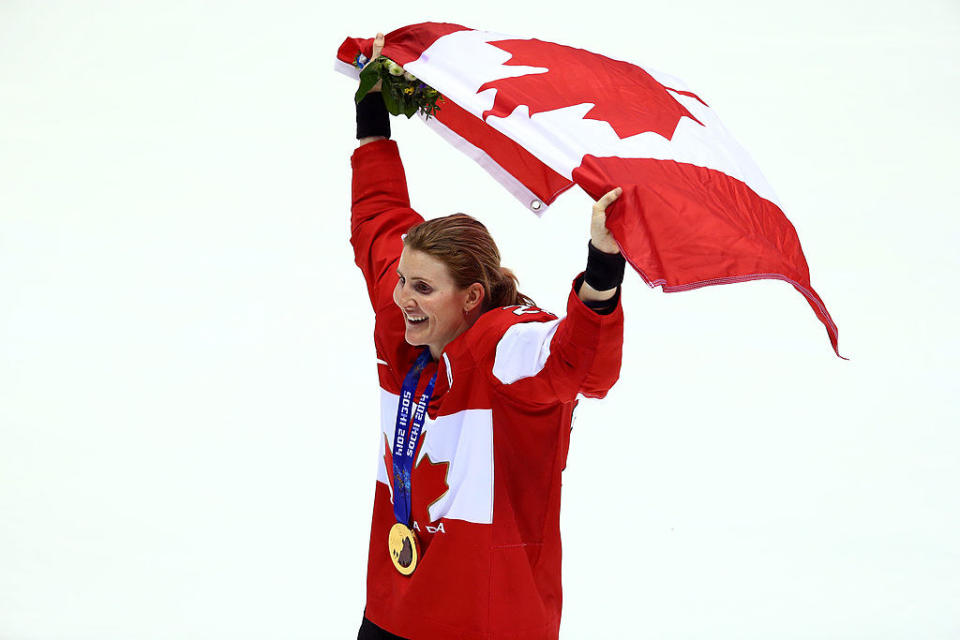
(404, 297)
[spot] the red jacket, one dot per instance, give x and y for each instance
(486, 481)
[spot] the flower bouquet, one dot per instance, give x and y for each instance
(402, 91)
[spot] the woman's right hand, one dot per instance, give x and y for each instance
(377, 48)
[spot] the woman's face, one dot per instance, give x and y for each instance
(435, 310)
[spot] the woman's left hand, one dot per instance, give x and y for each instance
(600, 236)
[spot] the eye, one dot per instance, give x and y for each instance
(400, 280)
(423, 287)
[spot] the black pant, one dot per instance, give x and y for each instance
(370, 631)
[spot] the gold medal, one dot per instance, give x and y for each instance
(404, 548)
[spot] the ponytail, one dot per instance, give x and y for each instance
(503, 291)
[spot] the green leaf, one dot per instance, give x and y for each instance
(390, 101)
(368, 78)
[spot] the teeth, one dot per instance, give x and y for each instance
(416, 318)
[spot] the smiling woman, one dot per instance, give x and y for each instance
(465, 537)
(435, 310)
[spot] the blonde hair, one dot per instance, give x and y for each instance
(463, 244)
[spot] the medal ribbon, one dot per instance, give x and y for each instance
(410, 420)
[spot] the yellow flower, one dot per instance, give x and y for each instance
(408, 90)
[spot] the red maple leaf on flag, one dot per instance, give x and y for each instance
(638, 104)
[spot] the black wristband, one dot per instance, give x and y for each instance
(604, 270)
(603, 307)
(372, 116)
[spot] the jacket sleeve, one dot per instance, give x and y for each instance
(555, 360)
(380, 215)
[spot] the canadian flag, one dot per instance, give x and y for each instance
(540, 117)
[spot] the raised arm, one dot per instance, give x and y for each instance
(546, 359)
(380, 212)
(604, 263)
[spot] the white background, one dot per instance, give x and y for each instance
(188, 401)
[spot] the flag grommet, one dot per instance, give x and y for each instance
(535, 205)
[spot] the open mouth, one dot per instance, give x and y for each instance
(415, 319)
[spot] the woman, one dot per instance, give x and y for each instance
(478, 388)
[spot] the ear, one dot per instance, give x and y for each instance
(474, 297)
